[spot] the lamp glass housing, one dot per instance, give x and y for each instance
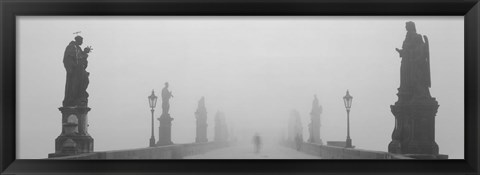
(152, 100)
(347, 99)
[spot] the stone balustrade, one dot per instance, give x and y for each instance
(335, 152)
(176, 151)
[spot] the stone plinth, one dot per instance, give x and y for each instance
(74, 138)
(315, 128)
(165, 129)
(201, 132)
(414, 131)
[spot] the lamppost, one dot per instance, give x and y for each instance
(152, 100)
(347, 99)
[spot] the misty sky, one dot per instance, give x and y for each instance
(254, 69)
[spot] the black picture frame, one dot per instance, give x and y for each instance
(9, 9)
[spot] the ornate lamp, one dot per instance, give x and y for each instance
(152, 100)
(347, 99)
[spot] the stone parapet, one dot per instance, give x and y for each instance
(334, 152)
(177, 151)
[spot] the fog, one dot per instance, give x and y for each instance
(254, 69)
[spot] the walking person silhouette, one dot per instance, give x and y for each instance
(257, 141)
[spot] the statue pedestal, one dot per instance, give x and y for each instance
(315, 127)
(414, 131)
(165, 129)
(201, 131)
(74, 138)
(152, 142)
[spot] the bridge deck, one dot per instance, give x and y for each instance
(246, 151)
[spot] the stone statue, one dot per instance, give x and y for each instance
(165, 129)
(75, 63)
(201, 116)
(415, 66)
(415, 110)
(316, 108)
(74, 138)
(314, 125)
(166, 95)
(201, 104)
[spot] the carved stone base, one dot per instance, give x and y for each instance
(319, 141)
(414, 131)
(315, 127)
(152, 141)
(165, 129)
(68, 145)
(316, 141)
(74, 138)
(201, 132)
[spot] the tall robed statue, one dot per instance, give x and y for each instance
(74, 137)
(415, 66)
(75, 63)
(201, 103)
(166, 95)
(314, 125)
(414, 130)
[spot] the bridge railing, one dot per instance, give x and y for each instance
(334, 152)
(177, 151)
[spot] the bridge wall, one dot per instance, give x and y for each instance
(177, 151)
(334, 152)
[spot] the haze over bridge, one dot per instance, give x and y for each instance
(413, 133)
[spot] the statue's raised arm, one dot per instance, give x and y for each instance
(400, 52)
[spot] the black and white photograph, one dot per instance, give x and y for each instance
(240, 87)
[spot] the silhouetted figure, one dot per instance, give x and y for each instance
(415, 66)
(166, 95)
(415, 110)
(75, 63)
(298, 142)
(257, 143)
